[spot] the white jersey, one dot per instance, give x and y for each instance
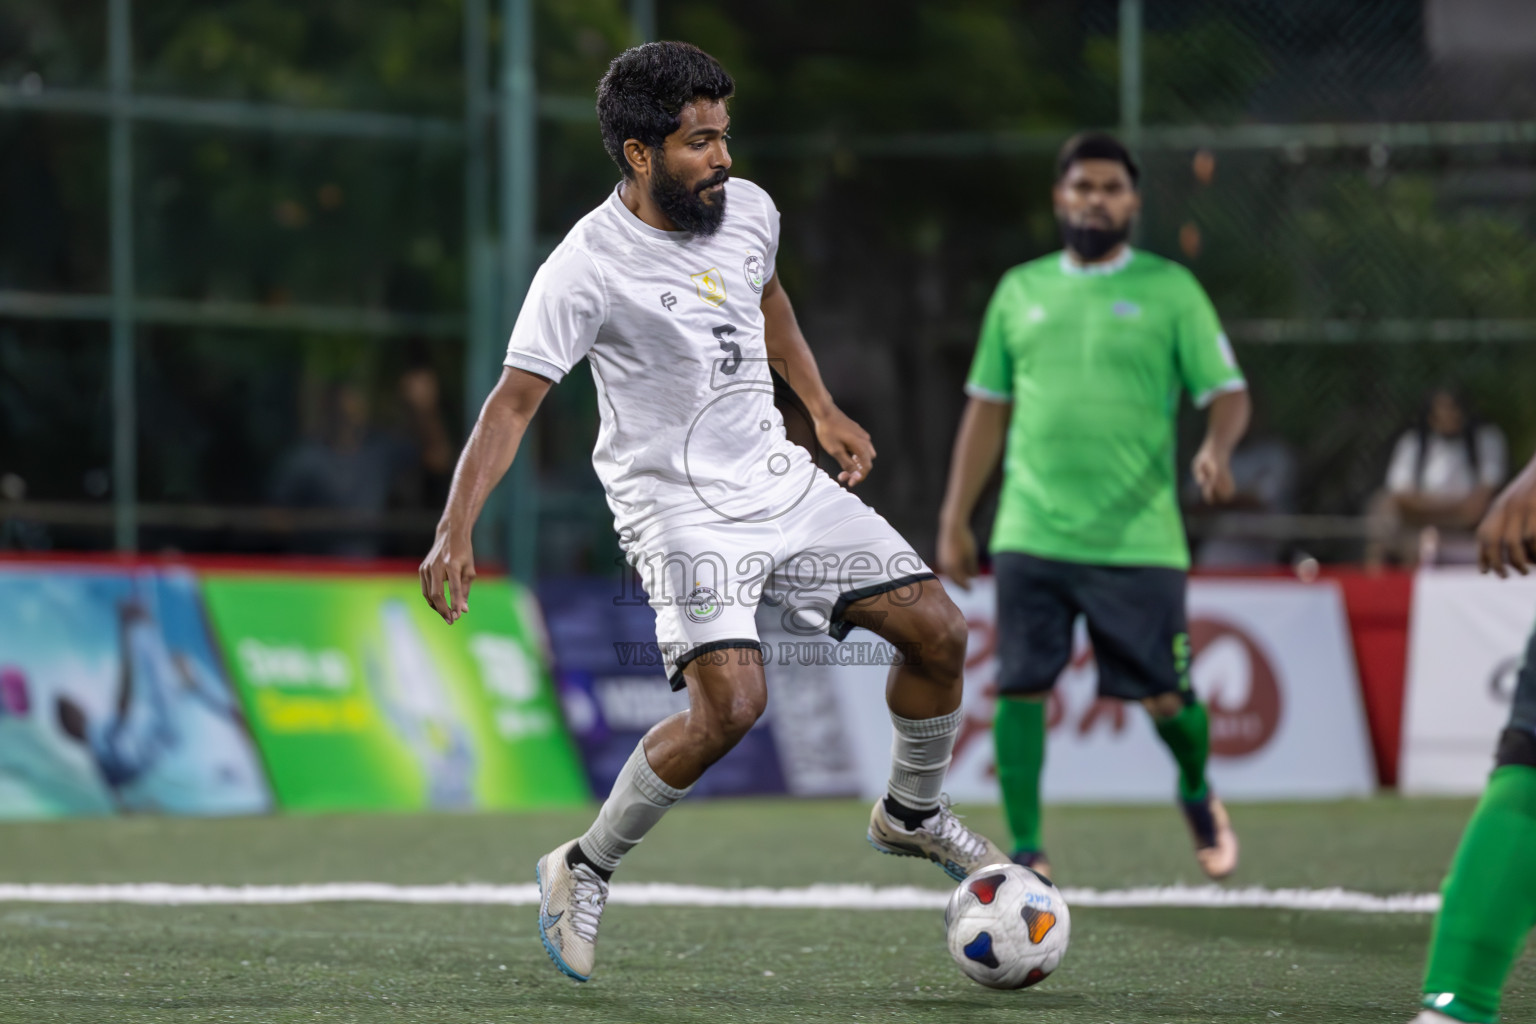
(672, 326)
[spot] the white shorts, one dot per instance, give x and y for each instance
(705, 580)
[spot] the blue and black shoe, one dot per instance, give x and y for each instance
(1035, 860)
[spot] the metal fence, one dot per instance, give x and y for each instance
(490, 148)
(1352, 184)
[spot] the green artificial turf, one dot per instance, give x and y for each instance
(388, 962)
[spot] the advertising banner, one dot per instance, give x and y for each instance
(613, 688)
(114, 698)
(361, 697)
(1466, 641)
(815, 739)
(1271, 660)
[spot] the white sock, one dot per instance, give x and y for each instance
(920, 756)
(637, 802)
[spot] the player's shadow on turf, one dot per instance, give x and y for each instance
(616, 1006)
(1333, 932)
(981, 1006)
(994, 1001)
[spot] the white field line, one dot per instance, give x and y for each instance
(656, 894)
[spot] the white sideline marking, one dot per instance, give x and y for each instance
(657, 894)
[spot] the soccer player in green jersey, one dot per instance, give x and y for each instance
(1490, 894)
(1082, 357)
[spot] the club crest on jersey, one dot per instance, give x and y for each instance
(752, 270)
(703, 604)
(711, 286)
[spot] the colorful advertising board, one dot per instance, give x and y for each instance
(361, 697)
(113, 697)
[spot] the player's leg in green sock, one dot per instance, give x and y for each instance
(1187, 735)
(1018, 733)
(1490, 894)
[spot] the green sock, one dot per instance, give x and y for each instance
(1018, 734)
(1490, 900)
(1188, 736)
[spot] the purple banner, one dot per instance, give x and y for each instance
(613, 690)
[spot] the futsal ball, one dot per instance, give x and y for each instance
(1008, 927)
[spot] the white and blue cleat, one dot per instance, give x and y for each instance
(941, 838)
(571, 901)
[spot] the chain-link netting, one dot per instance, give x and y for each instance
(1352, 183)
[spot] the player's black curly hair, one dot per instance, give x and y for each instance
(1095, 146)
(646, 88)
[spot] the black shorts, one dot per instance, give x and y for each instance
(1522, 713)
(1136, 622)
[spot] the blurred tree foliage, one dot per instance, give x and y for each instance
(889, 254)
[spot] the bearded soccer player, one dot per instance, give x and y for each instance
(668, 291)
(1082, 357)
(1490, 895)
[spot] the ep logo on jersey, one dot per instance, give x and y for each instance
(711, 286)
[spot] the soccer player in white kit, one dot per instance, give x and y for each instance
(668, 290)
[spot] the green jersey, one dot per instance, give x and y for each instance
(1093, 360)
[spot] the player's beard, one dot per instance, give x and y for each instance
(1090, 244)
(683, 204)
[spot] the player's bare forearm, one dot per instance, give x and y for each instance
(978, 447)
(841, 437)
(1225, 426)
(489, 452)
(1227, 422)
(788, 348)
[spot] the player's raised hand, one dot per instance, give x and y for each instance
(451, 562)
(957, 554)
(849, 444)
(1507, 536)
(1213, 474)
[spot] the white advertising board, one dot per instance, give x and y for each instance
(1467, 636)
(1272, 661)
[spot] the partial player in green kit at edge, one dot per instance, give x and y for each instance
(1075, 385)
(1490, 893)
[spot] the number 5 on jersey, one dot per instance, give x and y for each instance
(730, 364)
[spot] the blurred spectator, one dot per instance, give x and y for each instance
(354, 467)
(424, 484)
(1443, 474)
